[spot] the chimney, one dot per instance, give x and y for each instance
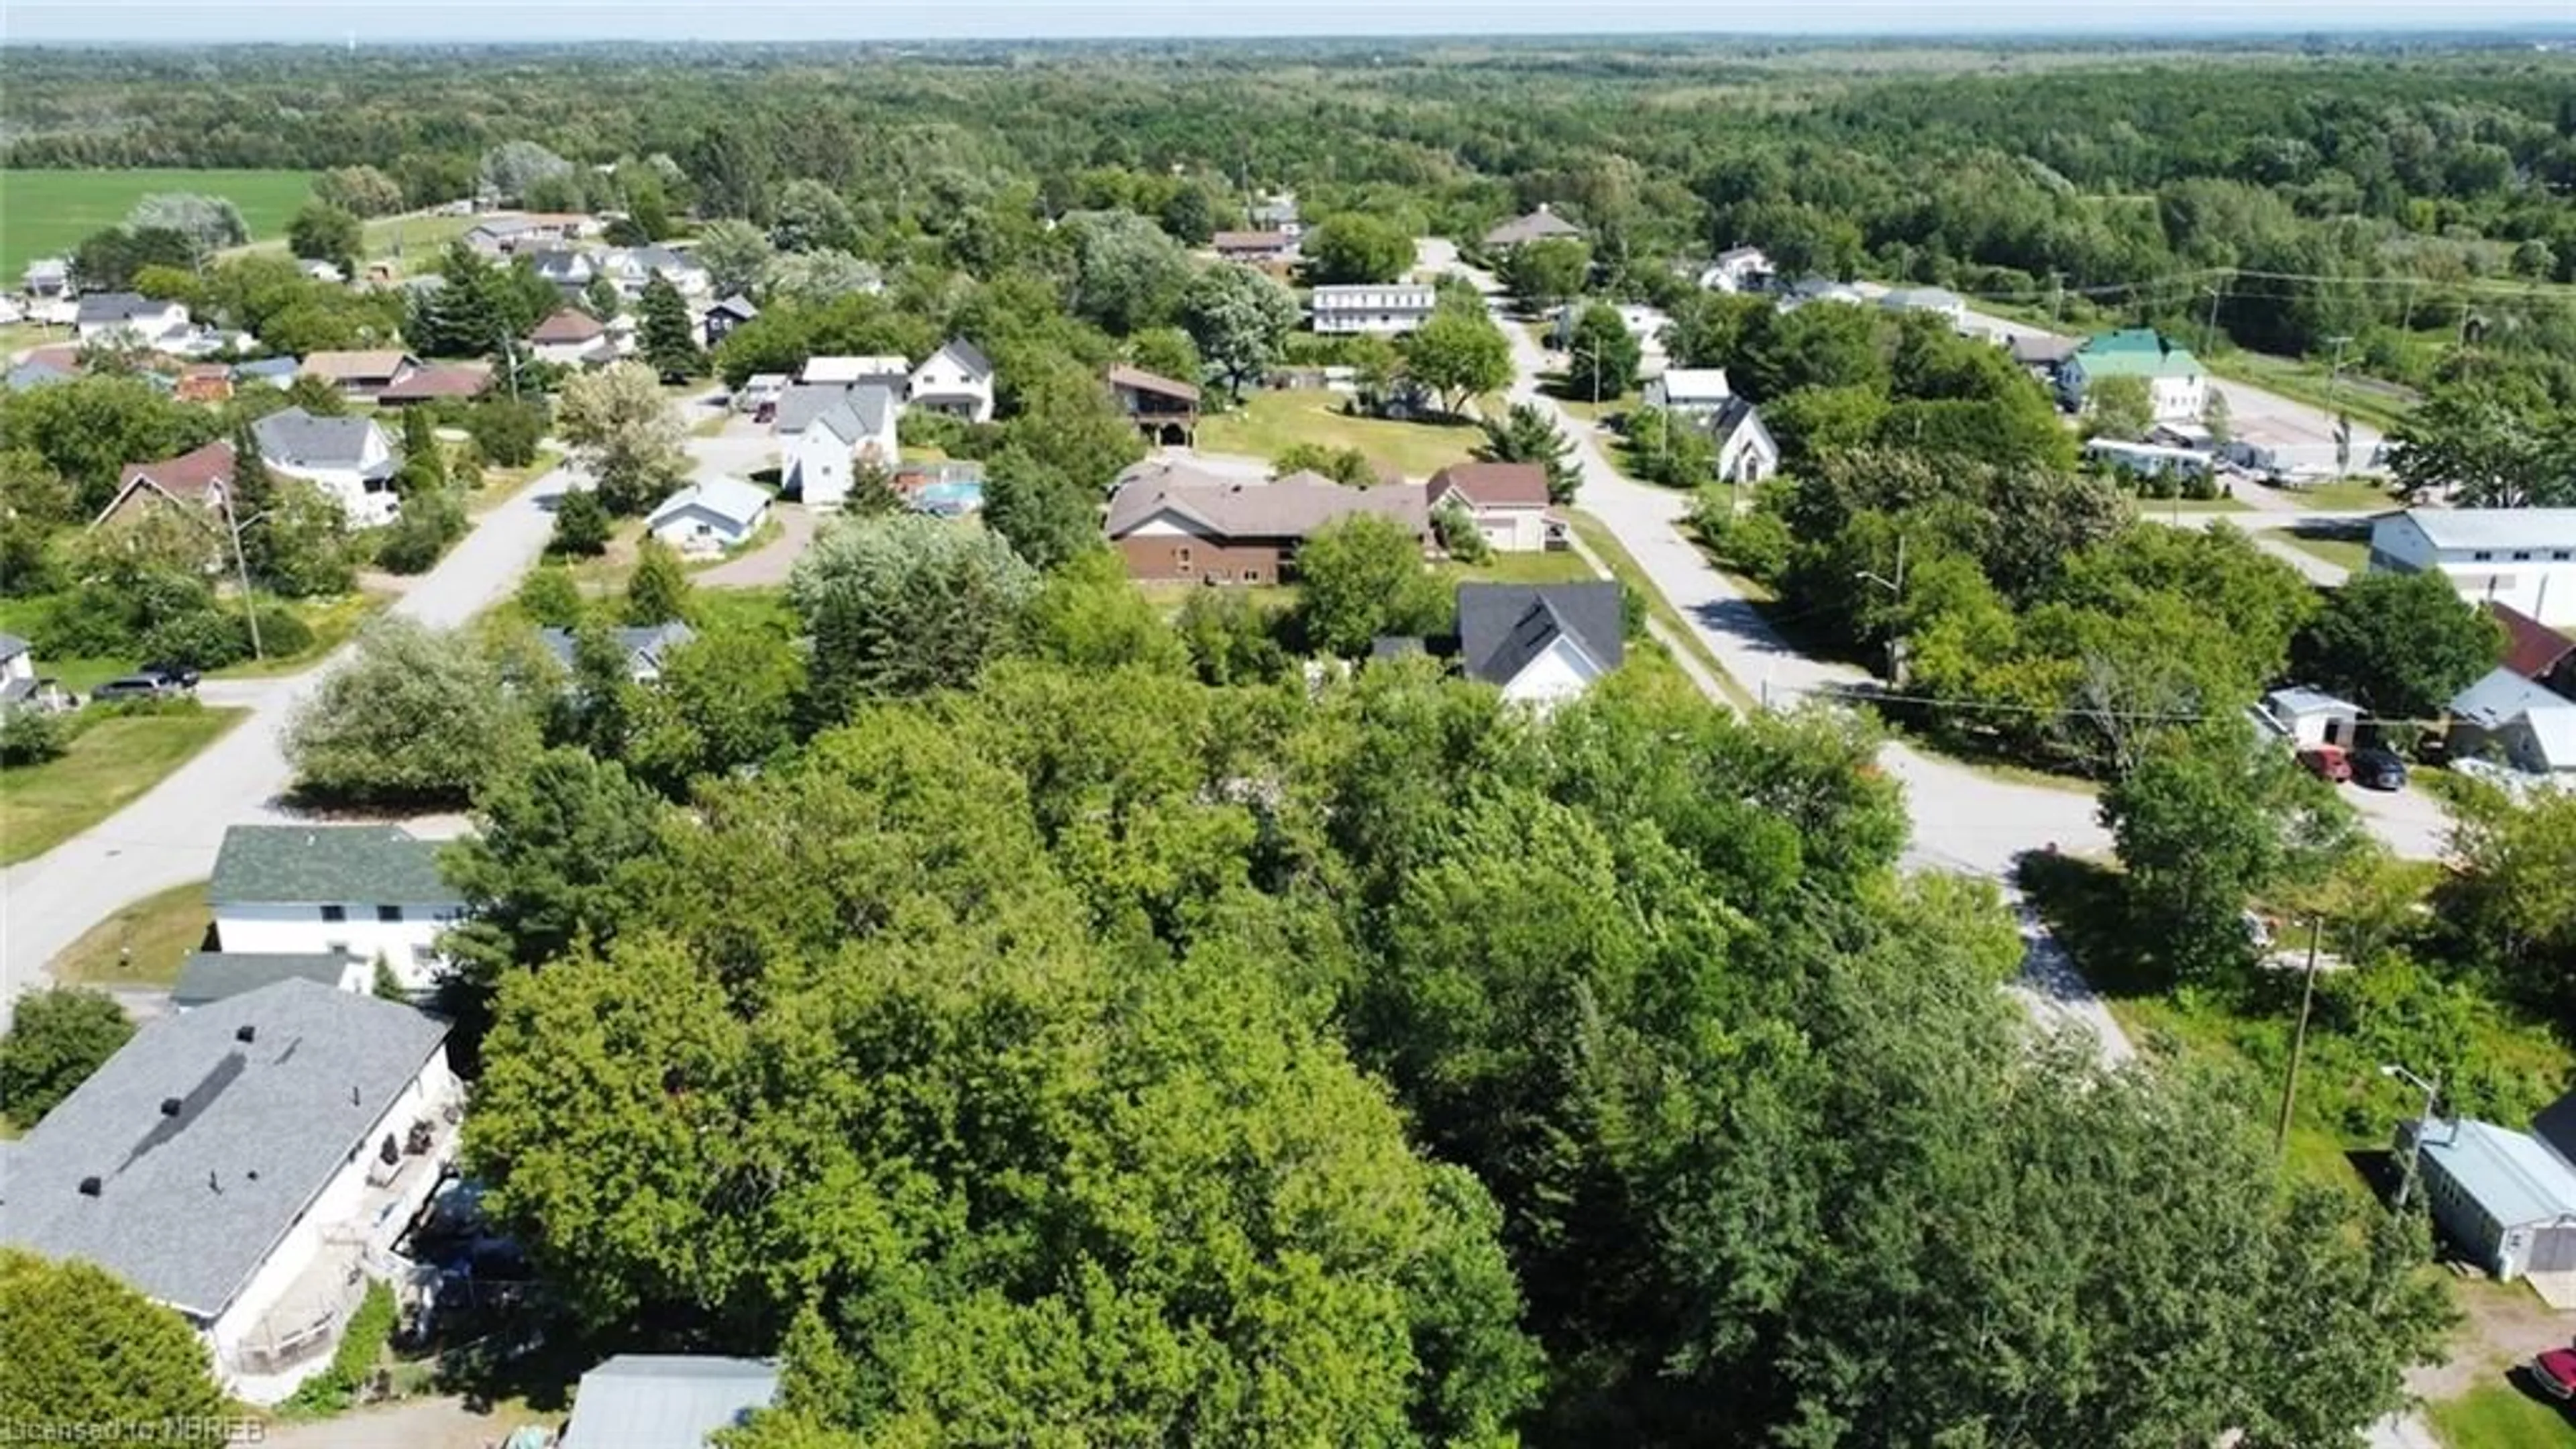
(245, 1032)
(89, 1187)
(169, 1106)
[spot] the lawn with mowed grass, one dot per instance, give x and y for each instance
(142, 944)
(1268, 423)
(50, 213)
(107, 767)
(2352, 555)
(2502, 1416)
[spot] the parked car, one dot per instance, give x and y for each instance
(130, 686)
(2375, 768)
(177, 676)
(2327, 762)
(2555, 1371)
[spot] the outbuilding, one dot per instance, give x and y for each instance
(2504, 1197)
(710, 516)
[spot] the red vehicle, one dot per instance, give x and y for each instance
(2327, 762)
(2555, 1371)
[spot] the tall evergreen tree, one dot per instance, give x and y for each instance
(670, 340)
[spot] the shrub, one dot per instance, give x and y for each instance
(506, 431)
(1758, 544)
(1459, 537)
(33, 736)
(199, 639)
(429, 523)
(60, 1036)
(550, 598)
(283, 632)
(335, 1389)
(582, 525)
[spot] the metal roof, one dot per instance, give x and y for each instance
(2510, 1174)
(730, 499)
(665, 1401)
(205, 1147)
(2522, 529)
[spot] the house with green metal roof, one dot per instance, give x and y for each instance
(2177, 388)
(369, 891)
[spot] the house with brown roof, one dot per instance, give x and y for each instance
(571, 338)
(1272, 251)
(1166, 412)
(2537, 652)
(1540, 225)
(194, 481)
(361, 374)
(1174, 522)
(440, 380)
(1508, 501)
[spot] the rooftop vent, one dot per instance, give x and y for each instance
(89, 1187)
(245, 1032)
(169, 1106)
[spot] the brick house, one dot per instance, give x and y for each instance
(1174, 523)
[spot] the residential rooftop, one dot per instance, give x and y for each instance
(327, 864)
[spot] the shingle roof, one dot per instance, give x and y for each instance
(100, 307)
(2531, 648)
(1291, 507)
(451, 379)
(2502, 696)
(645, 644)
(11, 646)
(1537, 226)
(327, 864)
(830, 371)
(1140, 380)
(2027, 348)
(1493, 485)
(730, 499)
(968, 356)
(1502, 627)
(1250, 241)
(210, 976)
(356, 366)
(2499, 528)
(207, 1147)
(2556, 1128)
(2510, 1174)
(665, 1401)
(736, 306)
(295, 436)
(568, 325)
(192, 475)
(268, 367)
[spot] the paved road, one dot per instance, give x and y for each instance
(1963, 820)
(769, 564)
(170, 835)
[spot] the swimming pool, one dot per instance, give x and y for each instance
(949, 499)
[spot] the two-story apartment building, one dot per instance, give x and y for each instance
(2521, 558)
(1386, 308)
(370, 891)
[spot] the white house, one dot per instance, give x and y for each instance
(2507, 1198)
(1385, 308)
(249, 1164)
(631, 268)
(2309, 717)
(47, 278)
(956, 380)
(17, 670)
(826, 433)
(2521, 558)
(710, 515)
(124, 317)
(1818, 289)
(1737, 269)
(1541, 644)
(1746, 451)
(349, 458)
(1646, 324)
(1688, 390)
(1508, 501)
(2530, 725)
(572, 338)
(2177, 390)
(370, 891)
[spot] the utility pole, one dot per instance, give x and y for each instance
(2432, 1090)
(2056, 298)
(510, 357)
(241, 562)
(2334, 379)
(2209, 334)
(2298, 1042)
(1895, 587)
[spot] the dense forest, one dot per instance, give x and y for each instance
(2288, 197)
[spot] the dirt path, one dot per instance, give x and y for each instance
(440, 1423)
(2501, 1324)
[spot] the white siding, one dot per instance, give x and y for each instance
(698, 530)
(819, 464)
(1563, 672)
(2538, 580)
(1513, 530)
(407, 945)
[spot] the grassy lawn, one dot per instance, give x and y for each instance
(17, 337)
(1268, 422)
(1623, 567)
(110, 764)
(142, 944)
(2501, 1416)
(2168, 507)
(48, 213)
(2345, 493)
(1169, 595)
(2349, 554)
(502, 484)
(1565, 567)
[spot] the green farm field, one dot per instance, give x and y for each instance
(47, 213)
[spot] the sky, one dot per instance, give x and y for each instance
(336, 21)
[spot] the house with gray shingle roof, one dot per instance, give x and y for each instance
(248, 1163)
(350, 458)
(956, 380)
(369, 891)
(1540, 643)
(207, 977)
(645, 647)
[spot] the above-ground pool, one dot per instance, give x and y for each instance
(949, 498)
